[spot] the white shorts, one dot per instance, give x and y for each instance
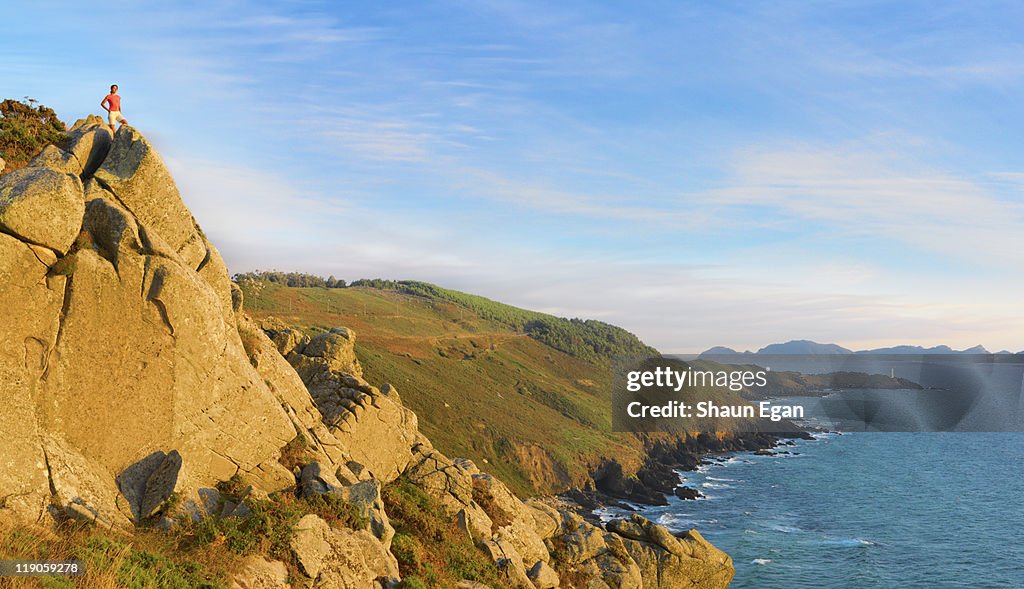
(114, 117)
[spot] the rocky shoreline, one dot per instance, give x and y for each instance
(658, 477)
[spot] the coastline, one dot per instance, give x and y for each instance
(821, 516)
(659, 476)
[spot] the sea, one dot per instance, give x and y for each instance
(864, 510)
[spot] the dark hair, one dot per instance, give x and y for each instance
(112, 86)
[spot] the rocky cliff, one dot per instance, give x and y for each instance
(135, 385)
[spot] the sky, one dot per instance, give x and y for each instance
(727, 173)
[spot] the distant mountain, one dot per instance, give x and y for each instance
(804, 347)
(720, 351)
(809, 348)
(923, 350)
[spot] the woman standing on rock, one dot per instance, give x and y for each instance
(112, 104)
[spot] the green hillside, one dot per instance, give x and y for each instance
(479, 374)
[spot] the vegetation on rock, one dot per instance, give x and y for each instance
(431, 550)
(26, 127)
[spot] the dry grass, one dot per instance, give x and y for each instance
(143, 560)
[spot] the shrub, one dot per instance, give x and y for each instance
(26, 127)
(430, 548)
(145, 559)
(335, 510)
(407, 551)
(296, 452)
(64, 266)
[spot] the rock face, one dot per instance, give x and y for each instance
(260, 573)
(137, 178)
(88, 146)
(132, 378)
(124, 351)
(635, 552)
(377, 432)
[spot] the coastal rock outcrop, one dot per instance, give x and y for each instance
(133, 379)
(378, 434)
(113, 346)
(637, 553)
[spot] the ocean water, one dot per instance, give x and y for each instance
(866, 510)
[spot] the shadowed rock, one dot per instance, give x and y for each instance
(149, 482)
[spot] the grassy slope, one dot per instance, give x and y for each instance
(536, 416)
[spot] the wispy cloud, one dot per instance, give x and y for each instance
(879, 191)
(700, 173)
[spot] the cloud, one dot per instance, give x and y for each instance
(251, 206)
(879, 192)
(547, 156)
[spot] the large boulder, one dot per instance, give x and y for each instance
(543, 576)
(381, 438)
(148, 483)
(596, 558)
(87, 146)
(513, 520)
(89, 143)
(259, 573)
(335, 558)
(451, 484)
(42, 206)
(665, 560)
(334, 349)
(509, 563)
(365, 497)
(546, 519)
(134, 173)
(125, 345)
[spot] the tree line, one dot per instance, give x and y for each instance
(296, 279)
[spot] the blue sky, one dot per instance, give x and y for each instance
(732, 173)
